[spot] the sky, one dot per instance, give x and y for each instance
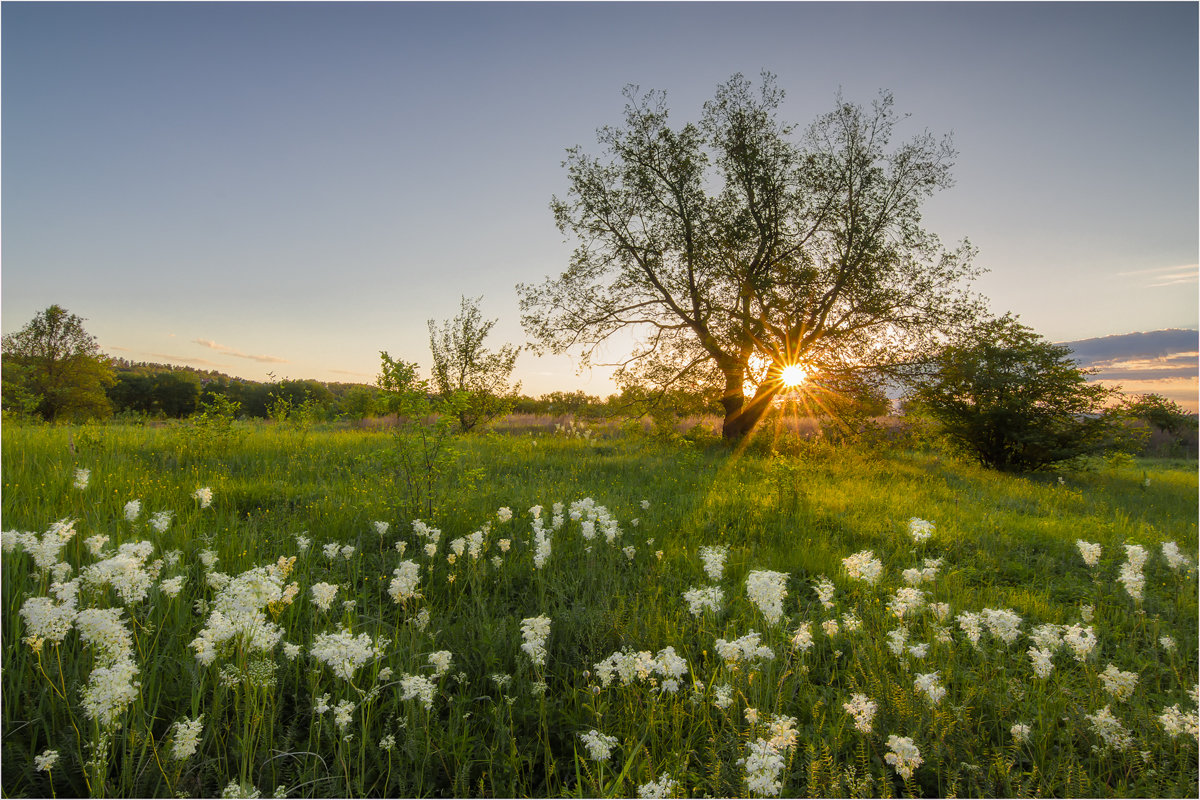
(286, 189)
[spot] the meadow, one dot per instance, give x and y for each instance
(261, 613)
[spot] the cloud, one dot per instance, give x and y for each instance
(351, 373)
(229, 351)
(1165, 362)
(196, 362)
(1165, 276)
(1148, 345)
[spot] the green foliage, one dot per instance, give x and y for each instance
(474, 383)
(423, 444)
(1165, 415)
(1017, 402)
(216, 422)
(55, 361)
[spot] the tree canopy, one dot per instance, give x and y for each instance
(473, 381)
(53, 367)
(734, 248)
(1015, 401)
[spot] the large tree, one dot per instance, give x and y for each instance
(55, 363)
(735, 248)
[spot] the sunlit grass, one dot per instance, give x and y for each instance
(1004, 543)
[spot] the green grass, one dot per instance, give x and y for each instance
(1005, 542)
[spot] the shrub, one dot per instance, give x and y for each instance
(1017, 402)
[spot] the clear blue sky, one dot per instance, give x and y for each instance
(305, 184)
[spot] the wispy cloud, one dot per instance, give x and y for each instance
(351, 373)
(195, 362)
(1165, 276)
(229, 351)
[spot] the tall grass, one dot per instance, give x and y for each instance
(501, 725)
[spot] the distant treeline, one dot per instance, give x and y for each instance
(165, 391)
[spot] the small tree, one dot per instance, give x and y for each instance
(55, 362)
(472, 382)
(1166, 415)
(423, 454)
(1016, 401)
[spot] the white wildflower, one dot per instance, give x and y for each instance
(440, 660)
(535, 631)
(161, 520)
(46, 761)
(863, 566)
(205, 495)
(903, 755)
(1117, 683)
(1080, 640)
(767, 590)
(919, 529)
(1175, 559)
(343, 653)
(172, 586)
(1131, 571)
(714, 561)
(897, 640)
(186, 737)
(132, 509)
(663, 787)
(109, 691)
(905, 601)
(802, 638)
(1042, 663)
(1110, 729)
(417, 687)
(1020, 732)
(323, 594)
(1175, 722)
(404, 581)
(82, 476)
(763, 764)
(343, 714)
(599, 745)
(1090, 552)
(747, 648)
(862, 708)
(1003, 623)
(928, 685)
(824, 590)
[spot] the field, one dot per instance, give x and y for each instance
(614, 616)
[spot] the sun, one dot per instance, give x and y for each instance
(793, 376)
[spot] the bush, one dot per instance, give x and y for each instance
(1017, 402)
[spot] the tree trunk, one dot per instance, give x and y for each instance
(741, 417)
